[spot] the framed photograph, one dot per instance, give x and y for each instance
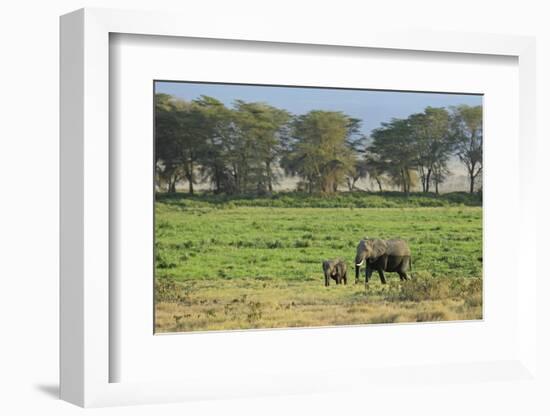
(264, 214)
(264, 196)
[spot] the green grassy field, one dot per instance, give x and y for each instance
(232, 263)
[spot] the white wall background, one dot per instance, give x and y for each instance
(29, 206)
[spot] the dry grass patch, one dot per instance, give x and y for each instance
(241, 304)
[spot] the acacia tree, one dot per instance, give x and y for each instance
(356, 143)
(393, 151)
(359, 171)
(192, 141)
(431, 135)
(375, 169)
(168, 166)
(440, 173)
(467, 132)
(219, 145)
(240, 145)
(319, 151)
(261, 128)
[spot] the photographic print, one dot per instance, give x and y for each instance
(289, 206)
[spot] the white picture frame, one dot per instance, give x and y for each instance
(85, 212)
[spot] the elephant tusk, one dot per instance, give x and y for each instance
(360, 264)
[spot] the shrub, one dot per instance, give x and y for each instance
(164, 260)
(254, 311)
(166, 290)
(275, 244)
(474, 301)
(420, 289)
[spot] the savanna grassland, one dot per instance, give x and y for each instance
(236, 262)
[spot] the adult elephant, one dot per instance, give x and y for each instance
(383, 256)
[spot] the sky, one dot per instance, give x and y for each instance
(372, 107)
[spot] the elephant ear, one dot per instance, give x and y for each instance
(328, 266)
(378, 248)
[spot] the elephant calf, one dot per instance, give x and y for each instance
(335, 269)
(383, 256)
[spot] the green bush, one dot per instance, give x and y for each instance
(304, 200)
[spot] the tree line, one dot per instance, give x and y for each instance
(248, 147)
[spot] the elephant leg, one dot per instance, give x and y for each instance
(345, 278)
(403, 270)
(382, 277)
(368, 274)
(407, 268)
